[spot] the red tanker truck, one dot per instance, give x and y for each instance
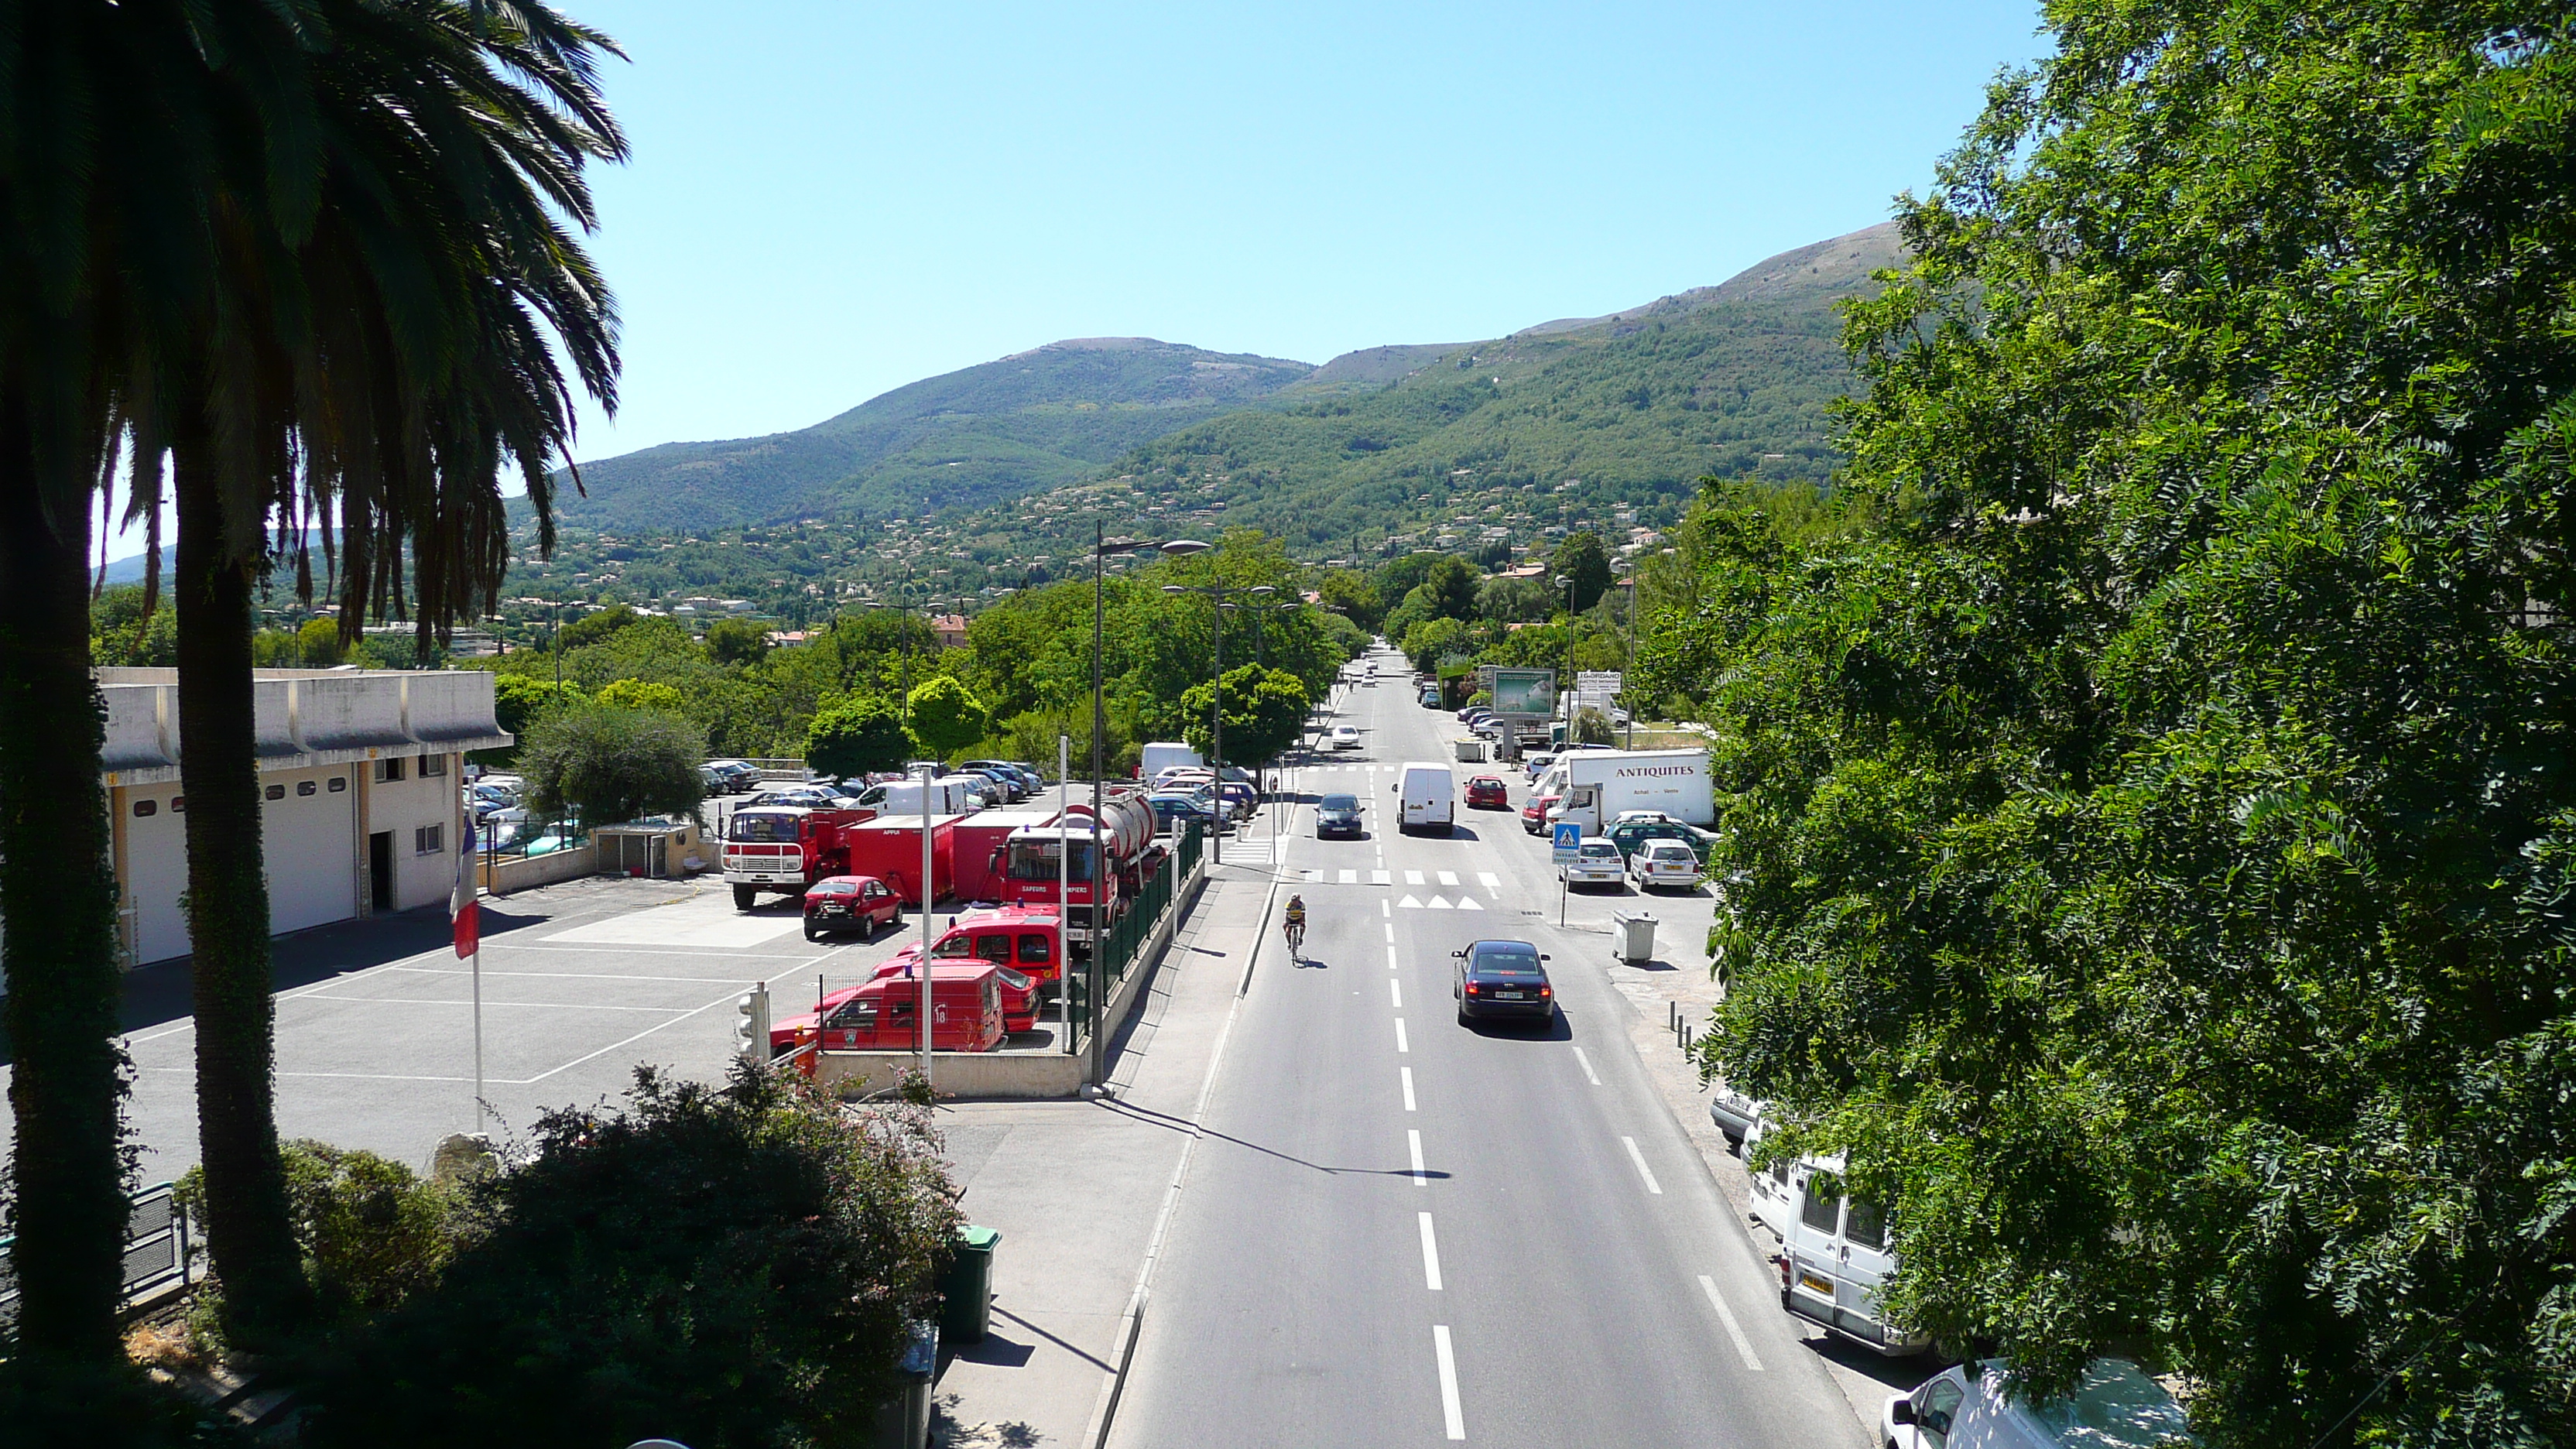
(786, 848)
(1125, 831)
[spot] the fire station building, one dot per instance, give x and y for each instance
(361, 775)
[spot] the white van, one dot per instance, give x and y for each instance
(1428, 797)
(1775, 1188)
(1163, 755)
(1834, 1254)
(2115, 1406)
(903, 797)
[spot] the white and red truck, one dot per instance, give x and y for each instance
(786, 848)
(1125, 832)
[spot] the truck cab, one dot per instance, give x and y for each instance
(785, 849)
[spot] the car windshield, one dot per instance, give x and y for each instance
(1339, 802)
(1598, 849)
(749, 826)
(1518, 963)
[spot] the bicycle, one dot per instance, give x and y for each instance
(1296, 932)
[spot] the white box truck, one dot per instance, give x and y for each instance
(903, 797)
(1163, 755)
(1427, 798)
(1595, 787)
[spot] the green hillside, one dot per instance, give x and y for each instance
(1003, 428)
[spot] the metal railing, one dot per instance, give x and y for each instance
(1128, 936)
(158, 1245)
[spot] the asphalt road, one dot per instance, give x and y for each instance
(1398, 1229)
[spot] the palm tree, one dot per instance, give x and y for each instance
(385, 266)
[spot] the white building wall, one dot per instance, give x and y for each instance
(404, 808)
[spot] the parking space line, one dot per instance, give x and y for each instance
(1452, 1416)
(723, 1000)
(526, 1005)
(1421, 1174)
(1586, 1063)
(1408, 1087)
(489, 972)
(1643, 1170)
(1734, 1330)
(1431, 1254)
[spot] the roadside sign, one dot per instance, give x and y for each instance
(1525, 693)
(1568, 842)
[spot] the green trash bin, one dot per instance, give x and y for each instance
(903, 1422)
(966, 1287)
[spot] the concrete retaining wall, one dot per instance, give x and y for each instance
(1012, 1075)
(527, 874)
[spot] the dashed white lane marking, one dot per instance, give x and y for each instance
(1431, 1255)
(1402, 1047)
(1413, 877)
(1421, 1174)
(1452, 1415)
(1725, 1315)
(1586, 1063)
(1390, 933)
(1408, 1087)
(1643, 1170)
(1448, 877)
(1384, 909)
(1379, 877)
(1390, 958)
(1395, 988)
(1489, 880)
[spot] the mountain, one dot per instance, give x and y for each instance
(1032, 420)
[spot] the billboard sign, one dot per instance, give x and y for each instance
(1525, 693)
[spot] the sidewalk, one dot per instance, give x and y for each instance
(1076, 1189)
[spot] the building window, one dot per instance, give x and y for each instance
(388, 771)
(339, 783)
(274, 792)
(178, 804)
(304, 788)
(145, 809)
(429, 840)
(432, 766)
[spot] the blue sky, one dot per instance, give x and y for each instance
(829, 200)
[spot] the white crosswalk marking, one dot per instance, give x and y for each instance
(1438, 904)
(1468, 903)
(1376, 877)
(1312, 875)
(1411, 877)
(1407, 904)
(1447, 878)
(1348, 877)
(1485, 878)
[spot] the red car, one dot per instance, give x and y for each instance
(850, 903)
(1485, 792)
(1534, 813)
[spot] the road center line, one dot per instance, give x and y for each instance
(1430, 1255)
(1390, 958)
(1454, 1417)
(1408, 1087)
(1395, 988)
(1643, 1170)
(1725, 1315)
(1586, 1063)
(1385, 909)
(1413, 1140)
(1400, 1044)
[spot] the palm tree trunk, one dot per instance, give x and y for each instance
(58, 901)
(247, 1227)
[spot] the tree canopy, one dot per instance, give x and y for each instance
(2148, 799)
(860, 737)
(602, 765)
(945, 716)
(1265, 710)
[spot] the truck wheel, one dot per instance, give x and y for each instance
(743, 896)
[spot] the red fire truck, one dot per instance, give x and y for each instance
(786, 848)
(1125, 832)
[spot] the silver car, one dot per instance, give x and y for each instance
(1665, 863)
(1597, 862)
(1734, 1114)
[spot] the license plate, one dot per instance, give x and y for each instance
(1814, 1284)
(1508, 996)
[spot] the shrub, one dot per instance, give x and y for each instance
(372, 1232)
(603, 765)
(731, 1265)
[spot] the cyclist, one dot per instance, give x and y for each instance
(1295, 925)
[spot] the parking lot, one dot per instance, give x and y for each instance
(582, 982)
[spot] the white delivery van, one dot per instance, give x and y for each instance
(1165, 755)
(1427, 798)
(1833, 1255)
(903, 797)
(2115, 1406)
(1595, 787)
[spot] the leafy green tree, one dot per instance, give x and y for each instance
(736, 641)
(518, 700)
(1351, 592)
(318, 644)
(1582, 560)
(124, 631)
(639, 694)
(1451, 587)
(601, 765)
(595, 627)
(1433, 642)
(946, 717)
(2149, 809)
(858, 737)
(1265, 711)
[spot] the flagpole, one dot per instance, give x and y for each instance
(482, 1109)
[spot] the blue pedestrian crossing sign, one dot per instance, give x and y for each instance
(1569, 841)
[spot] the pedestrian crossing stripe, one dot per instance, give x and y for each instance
(1489, 880)
(1379, 877)
(1413, 877)
(1349, 877)
(1311, 875)
(1448, 877)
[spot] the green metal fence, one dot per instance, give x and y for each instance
(1124, 945)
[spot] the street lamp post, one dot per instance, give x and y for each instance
(1216, 724)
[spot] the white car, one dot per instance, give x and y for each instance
(1667, 863)
(1344, 737)
(1597, 862)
